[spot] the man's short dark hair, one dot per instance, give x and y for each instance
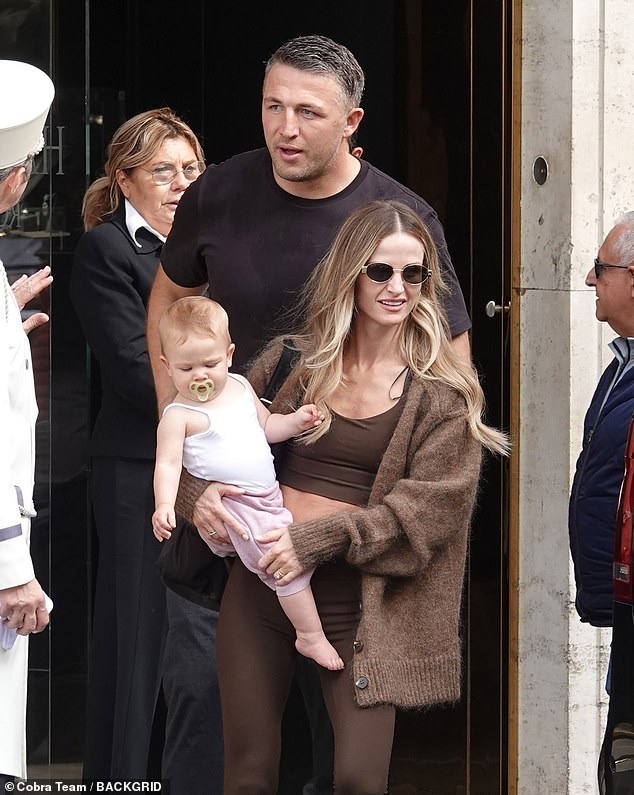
(321, 55)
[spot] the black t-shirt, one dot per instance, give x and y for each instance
(256, 244)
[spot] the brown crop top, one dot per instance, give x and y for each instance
(343, 463)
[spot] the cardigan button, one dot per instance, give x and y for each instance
(362, 682)
(357, 645)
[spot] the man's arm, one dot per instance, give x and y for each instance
(25, 289)
(462, 345)
(214, 515)
(164, 292)
(24, 608)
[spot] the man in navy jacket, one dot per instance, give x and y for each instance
(597, 481)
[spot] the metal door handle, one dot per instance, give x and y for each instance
(492, 309)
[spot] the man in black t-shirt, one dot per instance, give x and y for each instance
(255, 226)
(252, 229)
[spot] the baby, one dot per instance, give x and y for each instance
(219, 431)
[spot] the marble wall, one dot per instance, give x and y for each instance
(577, 86)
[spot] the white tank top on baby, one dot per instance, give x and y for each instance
(234, 448)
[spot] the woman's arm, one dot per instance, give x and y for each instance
(112, 314)
(422, 512)
(422, 498)
(190, 490)
(428, 507)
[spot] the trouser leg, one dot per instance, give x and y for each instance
(128, 622)
(255, 663)
(141, 632)
(193, 753)
(102, 667)
(307, 676)
(363, 737)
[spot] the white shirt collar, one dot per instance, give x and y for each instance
(135, 221)
(623, 349)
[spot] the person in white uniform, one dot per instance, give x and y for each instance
(26, 94)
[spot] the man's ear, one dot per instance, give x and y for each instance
(17, 178)
(353, 119)
(12, 187)
(630, 270)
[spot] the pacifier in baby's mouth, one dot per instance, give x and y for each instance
(202, 390)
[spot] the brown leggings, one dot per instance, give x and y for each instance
(256, 654)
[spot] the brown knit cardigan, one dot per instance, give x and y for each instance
(410, 545)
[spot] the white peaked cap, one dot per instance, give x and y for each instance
(26, 94)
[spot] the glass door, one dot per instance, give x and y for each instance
(437, 120)
(42, 230)
(26, 246)
(452, 131)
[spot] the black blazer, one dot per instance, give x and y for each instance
(109, 289)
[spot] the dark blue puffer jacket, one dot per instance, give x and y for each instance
(595, 495)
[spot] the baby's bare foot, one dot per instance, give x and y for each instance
(316, 646)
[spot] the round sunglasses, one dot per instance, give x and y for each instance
(382, 272)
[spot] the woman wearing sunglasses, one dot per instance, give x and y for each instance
(381, 494)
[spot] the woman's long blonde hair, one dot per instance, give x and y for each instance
(135, 142)
(327, 308)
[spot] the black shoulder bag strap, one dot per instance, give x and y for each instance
(287, 361)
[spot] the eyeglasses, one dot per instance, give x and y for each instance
(599, 266)
(166, 173)
(382, 272)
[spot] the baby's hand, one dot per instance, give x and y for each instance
(308, 417)
(163, 522)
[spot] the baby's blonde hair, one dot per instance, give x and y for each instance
(193, 314)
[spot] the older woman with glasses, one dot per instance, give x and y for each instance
(127, 213)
